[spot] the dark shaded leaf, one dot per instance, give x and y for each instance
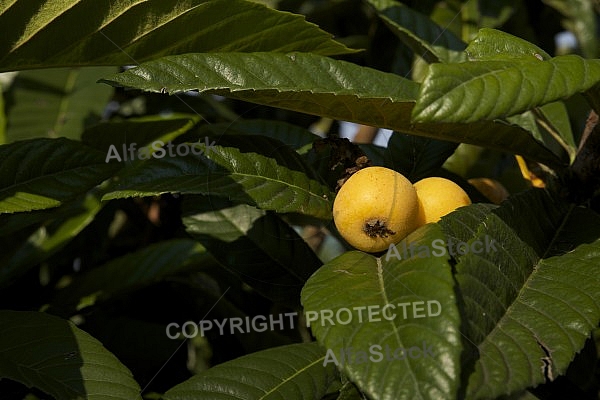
(53, 355)
(257, 246)
(293, 372)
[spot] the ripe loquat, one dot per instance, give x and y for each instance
(374, 208)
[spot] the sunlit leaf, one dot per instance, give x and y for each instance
(318, 85)
(126, 32)
(485, 90)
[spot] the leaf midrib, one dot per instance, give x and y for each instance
(290, 377)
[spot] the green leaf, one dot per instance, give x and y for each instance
(592, 96)
(44, 173)
(257, 246)
(524, 395)
(349, 392)
(581, 19)
(252, 169)
(141, 131)
(294, 136)
(416, 157)
(533, 298)
(132, 271)
(492, 44)
(2, 117)
(202, 293)
(414, 282)
(292, 74)
(292, 372)
(447, 15)
(496, 13)
(318, 85)
(48, 238)
(550, 125)
(12, 223)
(129, 32)
(421, 34)
(53, 355)
(62, 100)
(468, 92)
(555, 117)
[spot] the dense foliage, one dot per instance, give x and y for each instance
(167, 228)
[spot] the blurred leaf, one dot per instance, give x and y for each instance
(496, 13)
(293, 372)
(53, 355)
(2, 118)
(127, 32)
(525, 395)
(475, 162)
(357, 279)
(44, 173)
(470, 16)
(377, 154)
(48, 238)
(532, 299)
(132, 271)
(421, 34)
(317, 85)
(468, 92)
(445, 14)
(465, 158)
(581, 19)
(55, 102)
(582, 370)
(258, 171)
(592, 97)
(255, 245)
(492, 44)
(11, 223)
(141, 131)
(349, 392)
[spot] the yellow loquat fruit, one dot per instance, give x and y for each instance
(438, 197)
(374, 208)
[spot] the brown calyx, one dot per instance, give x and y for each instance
(377, 228)
(360, 163)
